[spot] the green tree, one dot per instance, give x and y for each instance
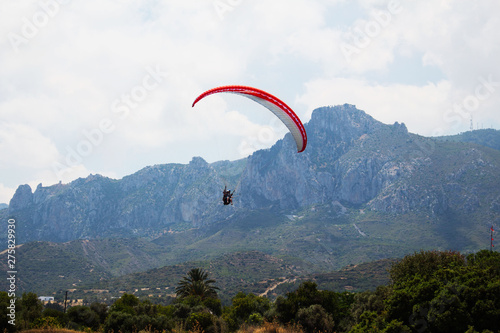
(147, 308)
(118, 321)
(83, 316)
(214, 305)
(424, 264)
(125, 304)
(369, 322)
(196, 283)
(249, 309)
(306, 295)
(372, 301)
(372, 322)
(101, 309)
(60, 316)
(200, 321)
(315, 319)
(31, 308)
(337, 305)
(7, 312)
(446, 292)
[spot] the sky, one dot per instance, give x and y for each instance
(106, 86)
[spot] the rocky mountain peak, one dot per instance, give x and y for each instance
(351, 160)
(23, 198)
(198, 162)
(345, 122)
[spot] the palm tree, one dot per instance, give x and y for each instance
(196, 283)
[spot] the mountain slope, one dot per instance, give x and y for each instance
(48, 266)
(249, 272)
(484, 137)
(361, 191)
(352, 161)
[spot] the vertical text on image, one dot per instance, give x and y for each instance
(11, 270)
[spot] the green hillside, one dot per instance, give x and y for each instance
(321, 239)
(248, 272)
(485, 137)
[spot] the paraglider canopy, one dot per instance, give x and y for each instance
(278, 107)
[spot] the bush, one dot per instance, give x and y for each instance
(46, 323)
(336, 305)
(84, 316)
(118, 321)
(59, 315)
(255, 319)
(125, 304)
(424, 264)
(200, 321)
(443, 292)
(101, 310)
(315, 318)
(275, 327)
(246, 306)
(125, 322)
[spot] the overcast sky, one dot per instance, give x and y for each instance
(106, 86)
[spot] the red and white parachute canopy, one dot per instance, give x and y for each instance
(279, 108)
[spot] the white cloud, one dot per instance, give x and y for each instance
(6, 193)
(24, 146)
(24, 152)
(63, 76)
(387, 104)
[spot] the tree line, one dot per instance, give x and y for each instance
(430, 291)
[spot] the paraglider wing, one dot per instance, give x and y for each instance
(278, 107)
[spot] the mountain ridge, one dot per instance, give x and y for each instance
(362, 191)
(351, 158)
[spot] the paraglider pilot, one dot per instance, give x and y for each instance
(227, 197)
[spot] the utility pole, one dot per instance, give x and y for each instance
(491, 236)
(66, 299)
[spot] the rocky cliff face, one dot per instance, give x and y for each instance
(146, 203)
(341, 163)
(351, 158)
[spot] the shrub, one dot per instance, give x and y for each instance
(200, 320)
(46, 323)
(315, 318)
